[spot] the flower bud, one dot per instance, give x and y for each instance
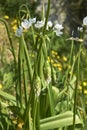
(47, 72)
(37, 85)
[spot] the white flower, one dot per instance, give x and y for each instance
(85, 20)
(57, 29)
(49, 25)
(26, 24)
(39, 24)
(80, 29)
(19, 31)
(58, 32)
(33, 20)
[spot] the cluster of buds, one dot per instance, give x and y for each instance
(37, 85)
(54, 77)
(47, 72)
(27, 23)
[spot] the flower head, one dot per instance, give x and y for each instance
(26, 24)
(37, 85)
(58, 32)
(49, 24)
(6, 17)
(19, 31)
(39, 24)
(85, 20)
(57, 29)
(80, 29)
(33, 20)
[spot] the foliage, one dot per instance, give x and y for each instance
(41, 86)
(11, 7)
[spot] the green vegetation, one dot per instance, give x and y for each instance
(44, 85)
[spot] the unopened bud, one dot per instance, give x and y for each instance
(47, 72)
(37, 85)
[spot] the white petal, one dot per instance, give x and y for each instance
(85, 20)
(33, 20)
(39, 24)
(58, 33)
(49, 24)
(19, 31)
(26, 24)
(58, 27)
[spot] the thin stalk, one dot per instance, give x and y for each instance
(38, 68)
(30, 71)
(67, 72)
(27, 115)
(45, 49)
(12, 50)
(28, 125)
(70, 59)
(51, 99)
(38, 114)
(2, 52)
(10, 40)
(20, 67)
(25, 84)
(36, 117)
(47, 16)
(76, 86)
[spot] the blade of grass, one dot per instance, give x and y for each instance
(51, 99)
(8, 96)
(62, 120)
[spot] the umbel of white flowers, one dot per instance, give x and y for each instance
(27, 23)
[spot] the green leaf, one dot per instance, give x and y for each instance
(7, 96)
(8, 80)
(61, 120)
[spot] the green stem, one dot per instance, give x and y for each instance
(12, 50)
(25, 83)
(47, 16)
(76, 86)
(51, 99)
(70, 59)
(10, 41)
(20, 67)
(38, 114)
(30, 71)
